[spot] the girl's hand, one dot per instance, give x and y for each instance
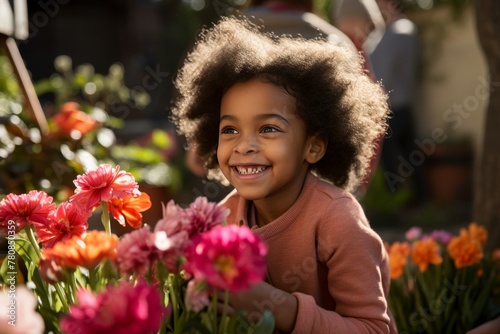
(262, 297)
(490, 327)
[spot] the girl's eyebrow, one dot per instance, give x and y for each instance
(260, 117)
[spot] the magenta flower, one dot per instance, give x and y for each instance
(227, 257)
(102, 184)
(136, 251)
(204, 215)
(25, 209)
(67, 221)
(122, 309)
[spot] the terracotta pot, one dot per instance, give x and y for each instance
(449, 174)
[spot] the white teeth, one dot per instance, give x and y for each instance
(250, 170)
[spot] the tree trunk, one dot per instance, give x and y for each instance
(487, 188)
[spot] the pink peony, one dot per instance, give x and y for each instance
(20, 317)
(227, 257)
(204, 215)
(33, 207)
(136, 251)
(67, 222)
(102, 184)
(196, 297)
(122, 309)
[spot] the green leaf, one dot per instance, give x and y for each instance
(161, 139)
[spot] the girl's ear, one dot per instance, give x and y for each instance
(316, 148)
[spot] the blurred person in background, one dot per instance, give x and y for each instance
(294, 18)
(394, 59)
(360, 20)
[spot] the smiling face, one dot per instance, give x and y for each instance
(263, 149)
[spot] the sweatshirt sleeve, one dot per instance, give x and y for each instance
(357, 268)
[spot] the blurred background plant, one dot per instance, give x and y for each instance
(84, 111)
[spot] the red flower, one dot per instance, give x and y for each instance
(74, 122)
(33, 207)
(67, 222)
(129, 209)
(103, 184)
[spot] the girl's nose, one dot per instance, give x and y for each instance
(246, 145)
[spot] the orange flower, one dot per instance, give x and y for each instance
(129, 209)
(465, 250)
(398, 254)
(478, 232)
(424, 252)
(74, 122)
(87, 251)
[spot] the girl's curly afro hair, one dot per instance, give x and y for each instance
(334, 97)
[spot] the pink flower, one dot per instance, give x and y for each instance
(227, 257)
(27, 320)
(441, 236)
(413, 233)
(67, 222)
(204, 215)
(102, 184)
(171, 235)
(33, 207)
(122, 309)
(196, 297)
(174, 220)
(136, 251)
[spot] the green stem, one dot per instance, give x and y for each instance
(105, 217)
(224, 311)
(93, 279)
(173, 299)
(72, 281)
(32, 238)
(214, 310)
(30, 232)
(62, 297)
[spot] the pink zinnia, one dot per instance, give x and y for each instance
(136, 251)
(204, 215)
(122, 309)
(101, 185)
(227, 257)
(33, 207)
(67, 222)
(172, 235)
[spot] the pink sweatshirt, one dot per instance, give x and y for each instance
(323, 250)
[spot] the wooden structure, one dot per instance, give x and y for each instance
(14, 25)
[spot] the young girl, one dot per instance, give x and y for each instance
(290, 124)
